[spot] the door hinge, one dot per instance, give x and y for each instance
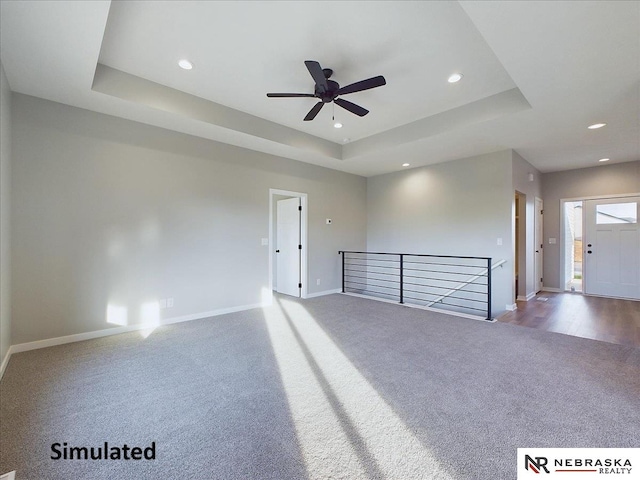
(300, 207)
(541, 212)
(299, 247)
(299, 285)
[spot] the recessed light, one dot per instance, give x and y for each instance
(596, 125)
(456, 77)
(604, 159)
(406, 164)
(185, 64)
(337, 125)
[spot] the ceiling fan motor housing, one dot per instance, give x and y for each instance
(328, 95)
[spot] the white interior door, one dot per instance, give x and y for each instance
(539, 244)
(288, 247)
(612, 247)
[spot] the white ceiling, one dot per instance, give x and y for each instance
(536, 74)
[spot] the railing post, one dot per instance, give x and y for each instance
(343, 254)
(488, 289)
(401, 278)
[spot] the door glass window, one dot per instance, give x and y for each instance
(617, 213)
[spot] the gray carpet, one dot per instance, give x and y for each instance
(332, 387)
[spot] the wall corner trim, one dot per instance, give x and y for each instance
(5, 361)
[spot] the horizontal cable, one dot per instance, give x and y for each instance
(368, 259)
(466, 274)
(442, 280)
(434, 305)
(371, 266)
(396, 279)
(371, 272)
(454, 280)
(445, 264)
(462, 289)
(448, 296)
(372, 284)
(368, 291)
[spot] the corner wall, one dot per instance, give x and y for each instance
(460, 208)
(603, 180)
(111, 216)
(5, 211)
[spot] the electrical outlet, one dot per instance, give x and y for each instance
(169, 302)
(163, 303)
(318, 282)
(499, 242)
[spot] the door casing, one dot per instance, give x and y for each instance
(304, 258)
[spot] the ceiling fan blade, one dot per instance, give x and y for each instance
(287, 95)
(314, 111)
(363, 85)
(318, 75)
(352, 107)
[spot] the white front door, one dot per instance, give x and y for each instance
(288, 247)
(539, 244)
(612, 247)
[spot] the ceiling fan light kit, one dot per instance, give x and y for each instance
(328, 91)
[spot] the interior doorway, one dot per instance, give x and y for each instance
(288, 257)
(539, 244)
(520, 245)
(288, 247)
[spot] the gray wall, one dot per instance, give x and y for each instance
(112, 212)
(620, 178)
(530, 190)
(5, 210)
(454, 208)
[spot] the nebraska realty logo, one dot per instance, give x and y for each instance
(583, 463)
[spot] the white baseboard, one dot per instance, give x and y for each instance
(551, 289)
(530, 296)
(78, 337)
(322, 294)
(512, 307)
(8, 476)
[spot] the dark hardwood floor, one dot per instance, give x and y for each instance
(607, 319)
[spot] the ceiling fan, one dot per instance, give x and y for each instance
(328, 90)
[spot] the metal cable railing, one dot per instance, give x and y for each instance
(453, 283)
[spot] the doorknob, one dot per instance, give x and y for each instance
(588, 251)
(588, 245)
(277, 251)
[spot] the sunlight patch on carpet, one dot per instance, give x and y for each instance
(345, 428)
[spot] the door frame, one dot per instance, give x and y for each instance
(538, 267)
(563, 232)
(303, 237)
